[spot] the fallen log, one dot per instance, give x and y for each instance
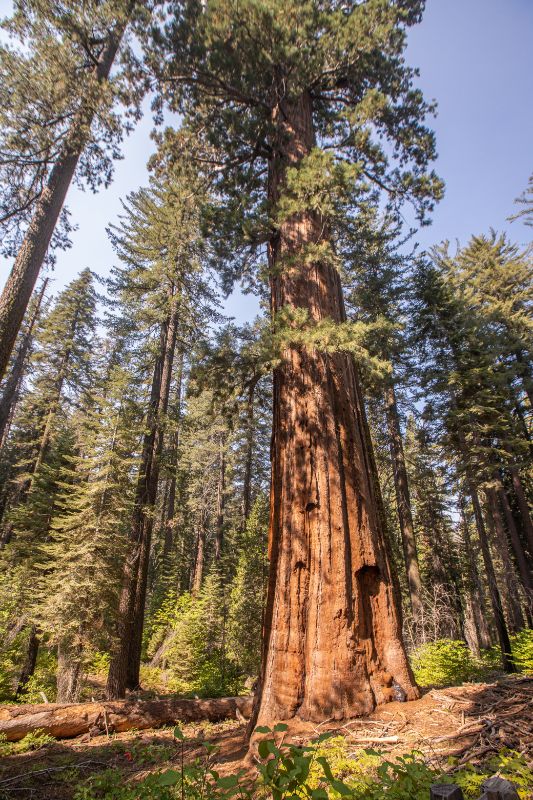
(65, 720)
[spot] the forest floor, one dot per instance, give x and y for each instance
(470, 722)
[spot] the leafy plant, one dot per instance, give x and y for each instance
(443, 663)
(34, 740)
(200, 781)
(522, 650)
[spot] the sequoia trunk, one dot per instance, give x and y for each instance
(332, 635)
(21, 281)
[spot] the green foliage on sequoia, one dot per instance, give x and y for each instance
(228, 68)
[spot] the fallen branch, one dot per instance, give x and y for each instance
(373, 739)
(67, 720)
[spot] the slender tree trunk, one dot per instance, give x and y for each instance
(221, 489)
(497, 608)
(125, 661)
(13, 383)
(495, 522)
(403, 504)
(476, 630)
(198, 570)
(524, 568)
(28, 668)
(69, 673)
(117, 676)
(167, 521)
(171, 498)
(248, 464)
(134, 660)
(21, 281)
(332, 635)
(523, 506)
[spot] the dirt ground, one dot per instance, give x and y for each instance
(469, 722)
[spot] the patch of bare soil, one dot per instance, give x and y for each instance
(470, 722)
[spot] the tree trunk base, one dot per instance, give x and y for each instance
(67, 720)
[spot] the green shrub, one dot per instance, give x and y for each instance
(443, 663)
(522, 650)
(34, 740)
(321, 770)
(98, 663)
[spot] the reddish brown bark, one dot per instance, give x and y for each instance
(23, 276)
(332, 634)
(403, 504)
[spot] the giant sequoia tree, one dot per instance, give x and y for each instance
(287, 99)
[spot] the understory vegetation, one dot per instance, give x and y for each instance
(327, 767)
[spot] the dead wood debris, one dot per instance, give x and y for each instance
(471, 722)
(500, 715)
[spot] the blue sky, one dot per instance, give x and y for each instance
(475, 60)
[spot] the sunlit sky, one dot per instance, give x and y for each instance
(475, 60)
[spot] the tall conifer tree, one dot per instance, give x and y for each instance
(289, 95)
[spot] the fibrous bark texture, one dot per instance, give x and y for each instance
(64, 721)
(332, 640)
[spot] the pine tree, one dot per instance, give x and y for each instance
(526, 200)
(248, 592)
(54, 127)
(162, 284)
(85, 548)
(469, 398)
